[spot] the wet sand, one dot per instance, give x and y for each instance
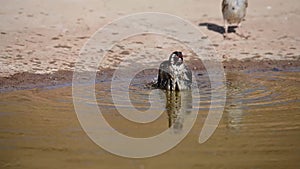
(26, 80)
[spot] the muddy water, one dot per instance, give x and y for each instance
(260, 127)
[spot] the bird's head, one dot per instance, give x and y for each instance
(176, 58)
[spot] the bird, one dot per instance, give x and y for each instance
(173, 74)
(234, 12)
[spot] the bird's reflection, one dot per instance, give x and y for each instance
(234, 108)
(178, 106)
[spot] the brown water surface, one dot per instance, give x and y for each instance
(260, 127)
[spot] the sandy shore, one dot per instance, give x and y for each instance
(46, 37)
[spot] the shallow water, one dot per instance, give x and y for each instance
(260, 127)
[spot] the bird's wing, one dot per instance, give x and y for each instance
(164, 66)
(224, 5)
(189, 74)
(163, 69)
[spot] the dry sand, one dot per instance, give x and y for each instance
(46, 36)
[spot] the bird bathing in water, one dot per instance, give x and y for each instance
(173, 74)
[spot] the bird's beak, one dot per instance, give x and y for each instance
(180, 55)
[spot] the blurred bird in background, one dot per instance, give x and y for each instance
(234, 12)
